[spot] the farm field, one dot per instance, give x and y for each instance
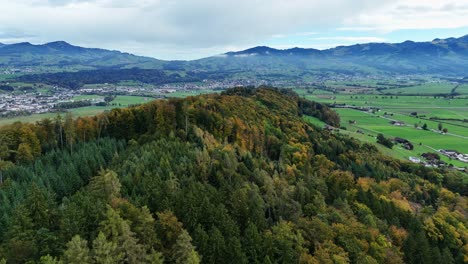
(426, 88)
(182, 94)
(424, 141)
(425, 106)
(462, 89)
(370, 137)
(413, 111)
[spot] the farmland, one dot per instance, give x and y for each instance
(363, 116)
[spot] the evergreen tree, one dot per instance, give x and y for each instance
(183, 251)
(77, 252)
(105, 252)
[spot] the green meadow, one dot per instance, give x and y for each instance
(412, 110)
(371, 127)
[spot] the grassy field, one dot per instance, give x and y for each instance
(425, 106)
(400, 108)
(424, 141)
(86, 97)
(182, 94)
(370, 133)
(120, 101)
(126, 100)
(462, 89)
(426, 88)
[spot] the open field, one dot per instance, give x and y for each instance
(413, 112)
(181, 94)
(86, 97)
(462, 89)
(426, 88)
(423, 140)
(126, 100)
(425, 106)
(369, 136)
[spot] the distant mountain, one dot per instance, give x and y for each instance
(64, 55)
(444, 56)
(267, 51)
(438, 57)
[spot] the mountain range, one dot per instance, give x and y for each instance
(64, 55)
(440, 56)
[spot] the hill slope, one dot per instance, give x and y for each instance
(231, 178)
(62, 54)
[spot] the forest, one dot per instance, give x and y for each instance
(236, 177)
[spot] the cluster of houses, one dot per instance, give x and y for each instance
(34, 102)
(433, 160)
(453, 154)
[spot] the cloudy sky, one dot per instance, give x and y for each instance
(190, 29)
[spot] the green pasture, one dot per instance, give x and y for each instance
(370, 132)
(186, 93)
(423, 140)
(425, 88)
(462, 89)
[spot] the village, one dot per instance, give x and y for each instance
(33, 102)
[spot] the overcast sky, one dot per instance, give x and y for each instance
(190, 29)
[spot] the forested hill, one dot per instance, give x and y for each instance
(231, 178)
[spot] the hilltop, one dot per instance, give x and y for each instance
(237, 177)
(66, 56)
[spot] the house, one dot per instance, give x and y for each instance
(330, 128)
(400, 140)
(414, 159)
(408, 146)
(397, 123)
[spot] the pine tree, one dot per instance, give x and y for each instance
(20, 242)
(117, 230)
(70, 131)
(183, 251)
(77, 252)
(252, 244)
(105, 252)
(106, 185)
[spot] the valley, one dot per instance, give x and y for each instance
(354, 154)
(367, 106)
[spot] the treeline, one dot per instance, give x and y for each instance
(75, 80)
(231, 178)
(6, 88)
(74, 104)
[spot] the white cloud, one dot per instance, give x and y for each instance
(161, 25)
(413, 14)
(353, 39)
